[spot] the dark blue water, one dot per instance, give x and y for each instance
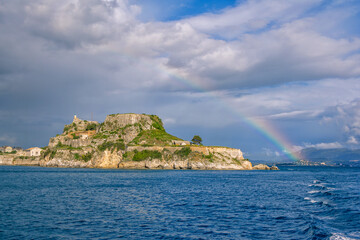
(294, 203)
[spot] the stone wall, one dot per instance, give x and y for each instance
(6, 160)
(121, 120)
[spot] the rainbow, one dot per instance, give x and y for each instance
(260, 125)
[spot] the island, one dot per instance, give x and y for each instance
(128, 141)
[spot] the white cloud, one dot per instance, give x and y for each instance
(293, 51)
(352, 140)
(346, 115)
(295, 114)
(74, 23)
(330, 145)
(251, 16)
(169, 121)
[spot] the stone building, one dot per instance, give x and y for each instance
(35, 151)
(180, 142)
(8, 149)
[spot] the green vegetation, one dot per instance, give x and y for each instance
(210, 157)
(183, 152)
(52, 154)
(153, 137)
(63, 146)
(100, 136)
(46, 152)
(85, 157)
(91, 126)
(124, 128)
(237, 161)
(66, 128)
(196, 140)
(146, 154)
(119, 145)
(157, 123)
(4, 153)
(125, 155)
(74, 136)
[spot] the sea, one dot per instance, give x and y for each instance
(293, 203)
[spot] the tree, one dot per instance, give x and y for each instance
(196, 140)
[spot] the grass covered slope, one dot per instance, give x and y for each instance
(154, 137)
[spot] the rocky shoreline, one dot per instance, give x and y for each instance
(130, 141)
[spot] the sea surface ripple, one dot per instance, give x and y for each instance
(294, 203)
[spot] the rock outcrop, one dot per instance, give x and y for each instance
(261, 167)
(131, 141)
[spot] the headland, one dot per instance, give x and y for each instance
(128, 141)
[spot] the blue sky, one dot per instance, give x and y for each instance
(202, 66)
(172, 10)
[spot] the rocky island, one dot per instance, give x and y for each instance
(129, 141)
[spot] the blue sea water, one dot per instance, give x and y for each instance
(293, 203)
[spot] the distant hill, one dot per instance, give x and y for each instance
(336, 156)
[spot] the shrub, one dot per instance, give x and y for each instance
(209, 157)
(183, 152)
(63, 146)
(157, 123)
(91, 126)
(74, 136)
(46, 152)
(119, 145)
(146, 154)
(153, 137)
(100, 135)
(66, 128)
(86, 157)
(52, 154)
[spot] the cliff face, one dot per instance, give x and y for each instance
(131, 141)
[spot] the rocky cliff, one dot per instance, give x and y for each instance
(132, 141)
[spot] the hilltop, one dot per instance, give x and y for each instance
(330, 157)
(134, 141)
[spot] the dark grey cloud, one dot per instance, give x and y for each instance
(60, 58)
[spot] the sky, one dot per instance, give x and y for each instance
(267, 77)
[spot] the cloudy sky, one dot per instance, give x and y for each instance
(213, 68)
